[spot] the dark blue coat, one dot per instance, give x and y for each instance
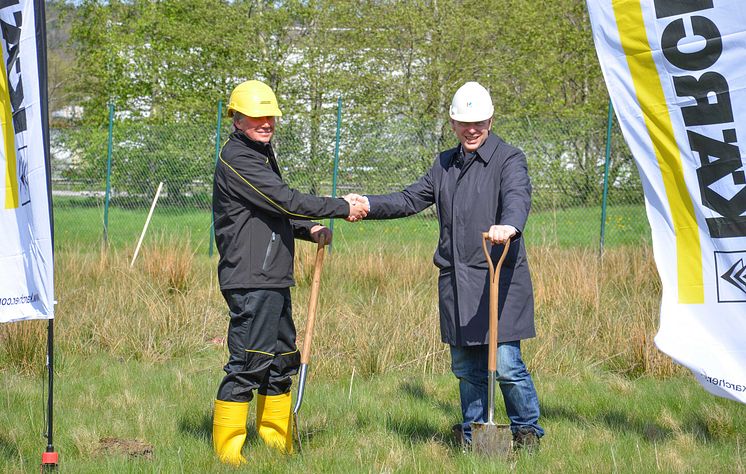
(490, 188)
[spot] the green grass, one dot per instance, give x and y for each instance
(581, 226)
(82, 227)
(138, 366)
(397, 422)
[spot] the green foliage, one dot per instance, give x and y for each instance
(79, 156)
(159, 59)
(60, 58)
(395, 64)
(566, 161)
(144, 153)
(400, 60)
(548, 60)
(181, 157)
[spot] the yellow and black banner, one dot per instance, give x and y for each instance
(26, 257)
(676, 75)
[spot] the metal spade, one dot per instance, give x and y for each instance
(491, 439)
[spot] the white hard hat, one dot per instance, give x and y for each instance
(471, 103)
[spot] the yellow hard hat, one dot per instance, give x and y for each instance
(254, 99)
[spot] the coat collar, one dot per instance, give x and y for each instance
(263, 148)
(485, 151)
(488, 148)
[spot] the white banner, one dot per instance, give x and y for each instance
(676, 74)
(26, 277)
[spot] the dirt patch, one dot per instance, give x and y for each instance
(127, 447)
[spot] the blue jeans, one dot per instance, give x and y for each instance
(469, 365)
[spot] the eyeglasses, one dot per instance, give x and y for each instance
(480, 124)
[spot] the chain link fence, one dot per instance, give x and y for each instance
(104, 179)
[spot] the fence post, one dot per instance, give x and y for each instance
(604, 201)
(108, 173)
(336, 163)
(217, 156)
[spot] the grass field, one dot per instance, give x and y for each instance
(82, 227)
(118, 415)
(139, 354)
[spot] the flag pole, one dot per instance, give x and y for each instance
(607, 165)
(49, 458)
(336, 162)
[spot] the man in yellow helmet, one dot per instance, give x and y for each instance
(257, 218)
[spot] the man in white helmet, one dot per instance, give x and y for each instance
(480, 185)
(257, 217)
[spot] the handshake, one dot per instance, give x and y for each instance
(359, 207)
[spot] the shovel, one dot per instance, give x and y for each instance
(305, 354)
(488, 438)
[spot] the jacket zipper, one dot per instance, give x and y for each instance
(269, 251)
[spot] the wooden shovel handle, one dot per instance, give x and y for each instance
(305, 354)
(494, 293)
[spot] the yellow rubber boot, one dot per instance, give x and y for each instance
(273, 421)
(229, 431)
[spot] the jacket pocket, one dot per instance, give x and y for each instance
(270, 248)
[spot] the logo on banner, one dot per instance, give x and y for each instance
(731, 282)
(11, 107)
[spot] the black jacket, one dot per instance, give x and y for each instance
(491, 188)
(257, 216)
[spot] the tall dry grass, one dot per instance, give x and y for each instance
(165, 306)
(23, 346)
(597, 312)
(378, 310)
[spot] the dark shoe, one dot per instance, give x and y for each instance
(458, 434)
(462, 442)
(525, 439)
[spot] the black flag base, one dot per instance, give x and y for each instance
(50, 458)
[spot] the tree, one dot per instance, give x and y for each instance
(166, 60)
(402, 59)
(59, 56)
(395, 63)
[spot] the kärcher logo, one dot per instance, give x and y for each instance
(736, 275)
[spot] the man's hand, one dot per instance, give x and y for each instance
(318, 230)
(357, 198)
(359, 207)
(499, 234)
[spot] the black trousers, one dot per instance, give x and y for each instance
(261, 341)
